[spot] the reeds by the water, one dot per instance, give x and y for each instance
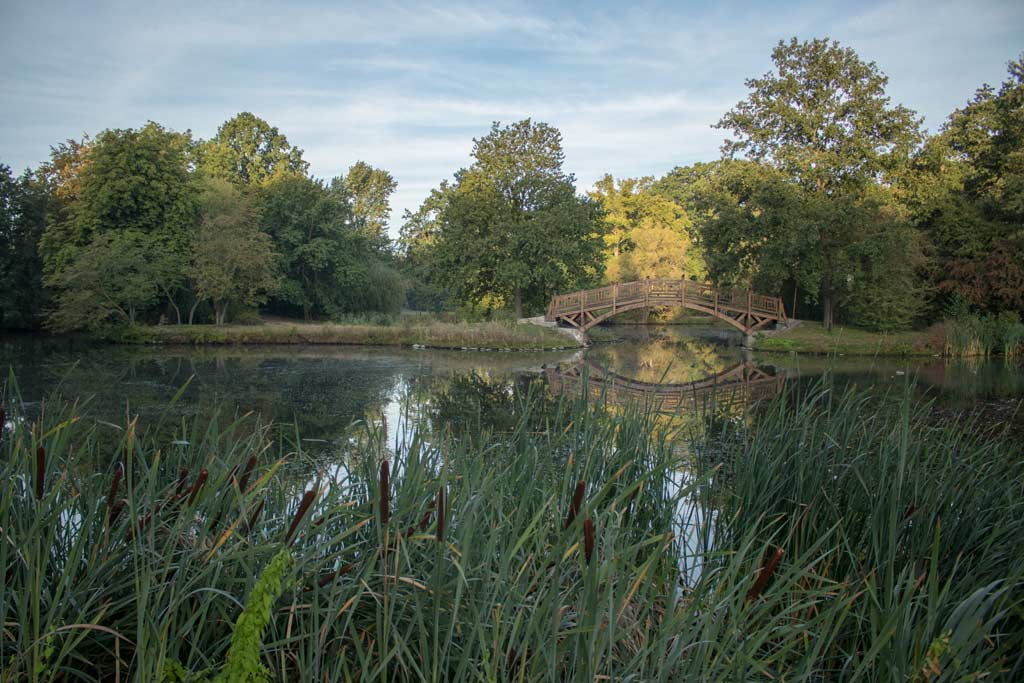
(842, 539)
(982, 336)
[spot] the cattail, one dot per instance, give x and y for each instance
(331, 576)
(255, 516)
(40, 471)
(115, 510)
(197, 487)
(765, 574)
(182, 480)
(440, 515)
(143, 523)
(246, 472)
(577, 501)
(385, 493)
(307, 500)
(425, 519)
(588, 538)
(112, 496)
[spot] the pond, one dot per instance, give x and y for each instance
(323, 389)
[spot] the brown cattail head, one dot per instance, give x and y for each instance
(115, 510)
(440, 515)
(588, 538)
(182, 480)
(40, 471)
(114, 485)
(577, 501)
(255, 516)
(385, 493)
(307, 500)
(198, 486)
(246, 472)
(765, 574)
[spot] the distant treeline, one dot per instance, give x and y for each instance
(826, 193)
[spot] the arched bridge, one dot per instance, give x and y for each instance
(741, 308)
(738, 385)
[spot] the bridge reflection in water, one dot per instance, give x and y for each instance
(744, 383)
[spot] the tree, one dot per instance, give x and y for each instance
(965, 189)
(329, 267)
(750, 223)
(109, 281)
(370, 190)
(131, 181)
(232, 261)
(647, 234)
(514, 229)
(417, 246)
(249, 151)
(25, 204)
(822, 118)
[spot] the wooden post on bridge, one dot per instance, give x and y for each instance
(615, 296)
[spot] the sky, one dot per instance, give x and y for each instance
(635, 88)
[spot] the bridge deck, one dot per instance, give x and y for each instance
(744, 309)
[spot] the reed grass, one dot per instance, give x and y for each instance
(984, 336)
(824, 538)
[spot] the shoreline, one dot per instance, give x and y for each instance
(488, 336)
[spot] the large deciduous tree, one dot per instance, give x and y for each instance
(370, 191)
(249, 151)
(329, 266)
(823, 119)
(514, 230)
(109, 281)
(647, 233)
(232, 260)
(131, 183)
(966, 191)
(417, 248)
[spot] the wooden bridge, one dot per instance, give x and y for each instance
(741, 308)
(737, 386)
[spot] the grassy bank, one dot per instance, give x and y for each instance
(406, 331)
(811, 337)
(800, 546)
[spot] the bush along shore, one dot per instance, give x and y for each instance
(799, 545)
(484, 336)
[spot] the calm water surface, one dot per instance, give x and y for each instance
(325, 389)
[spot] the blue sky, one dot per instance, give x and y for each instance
(634, 87)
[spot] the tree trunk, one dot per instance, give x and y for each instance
(305, 312)
(220, 311)
(795, 288)
(826, 301)
(192, 311)
(519, 303)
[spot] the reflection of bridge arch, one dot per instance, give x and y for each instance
(743, 309)
(738, 385)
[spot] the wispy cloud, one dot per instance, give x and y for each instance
(634, 88)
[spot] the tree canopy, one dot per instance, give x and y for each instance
(514, 230)
(249, 151)
(823, 120)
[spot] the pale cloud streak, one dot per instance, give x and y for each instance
(634, 88)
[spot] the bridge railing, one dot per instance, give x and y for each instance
(666, 292)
